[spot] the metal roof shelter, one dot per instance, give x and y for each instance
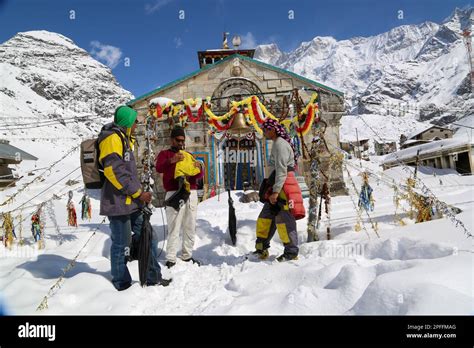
(10, 154)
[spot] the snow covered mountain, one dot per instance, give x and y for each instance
(51, 88)
(419, 70)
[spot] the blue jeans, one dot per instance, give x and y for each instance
(36, 231)
(121, 232)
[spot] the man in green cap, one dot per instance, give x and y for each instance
(122, 198)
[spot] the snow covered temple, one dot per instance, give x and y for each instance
(216, 101)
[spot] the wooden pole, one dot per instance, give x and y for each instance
(358, 148)
(416, 165)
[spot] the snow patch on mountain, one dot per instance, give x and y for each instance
(377, 127)
(51, 88)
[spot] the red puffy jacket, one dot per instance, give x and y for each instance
(294, 196)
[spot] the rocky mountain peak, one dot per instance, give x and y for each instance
(46, 76)
(459, 18)
(410, 66)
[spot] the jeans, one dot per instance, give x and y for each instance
(121, 233)
(36, 231)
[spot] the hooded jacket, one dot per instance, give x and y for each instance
(122, 187)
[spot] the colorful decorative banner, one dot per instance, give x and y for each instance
(253, 109)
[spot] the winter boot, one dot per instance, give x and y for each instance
(170, 264)
(260, 254)
(165, 282)
(286, 257)
(194, 261)
(162, 282)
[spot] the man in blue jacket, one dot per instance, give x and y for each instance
(122, 198)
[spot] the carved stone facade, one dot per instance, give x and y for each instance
(229, 79)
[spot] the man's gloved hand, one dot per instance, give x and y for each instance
(145, 197)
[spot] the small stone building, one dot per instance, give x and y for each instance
(454, 154)
(355, 147)
(425, 136)
(384, 146)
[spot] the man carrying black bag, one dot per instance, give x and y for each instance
(181, 202)
(122, 198)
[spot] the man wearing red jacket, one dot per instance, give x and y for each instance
(183, 219)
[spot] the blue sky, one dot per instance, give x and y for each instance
(162, 47)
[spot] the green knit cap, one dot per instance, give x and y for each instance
(125, 116)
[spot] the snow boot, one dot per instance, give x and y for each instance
(162, 282)
(259, 254)
(286, 257)
(170, 264)
(194, 261)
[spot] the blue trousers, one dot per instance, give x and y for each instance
(121, 232)
(36, 231)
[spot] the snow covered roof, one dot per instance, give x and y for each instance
(414, 134)
(385, 140)
(351, 138)
(414, 141)
(354, 140)
(425, 149)
(161, 101)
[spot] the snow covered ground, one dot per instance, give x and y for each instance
(413, 269)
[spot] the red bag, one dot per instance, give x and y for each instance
(294, 196)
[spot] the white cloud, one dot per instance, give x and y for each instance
(152, 8)
(109, 55)
(272, 39)
(178, 42)
(248, 41)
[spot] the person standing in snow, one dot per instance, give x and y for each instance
(183, 216)
(282, 196)
(122, 197)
